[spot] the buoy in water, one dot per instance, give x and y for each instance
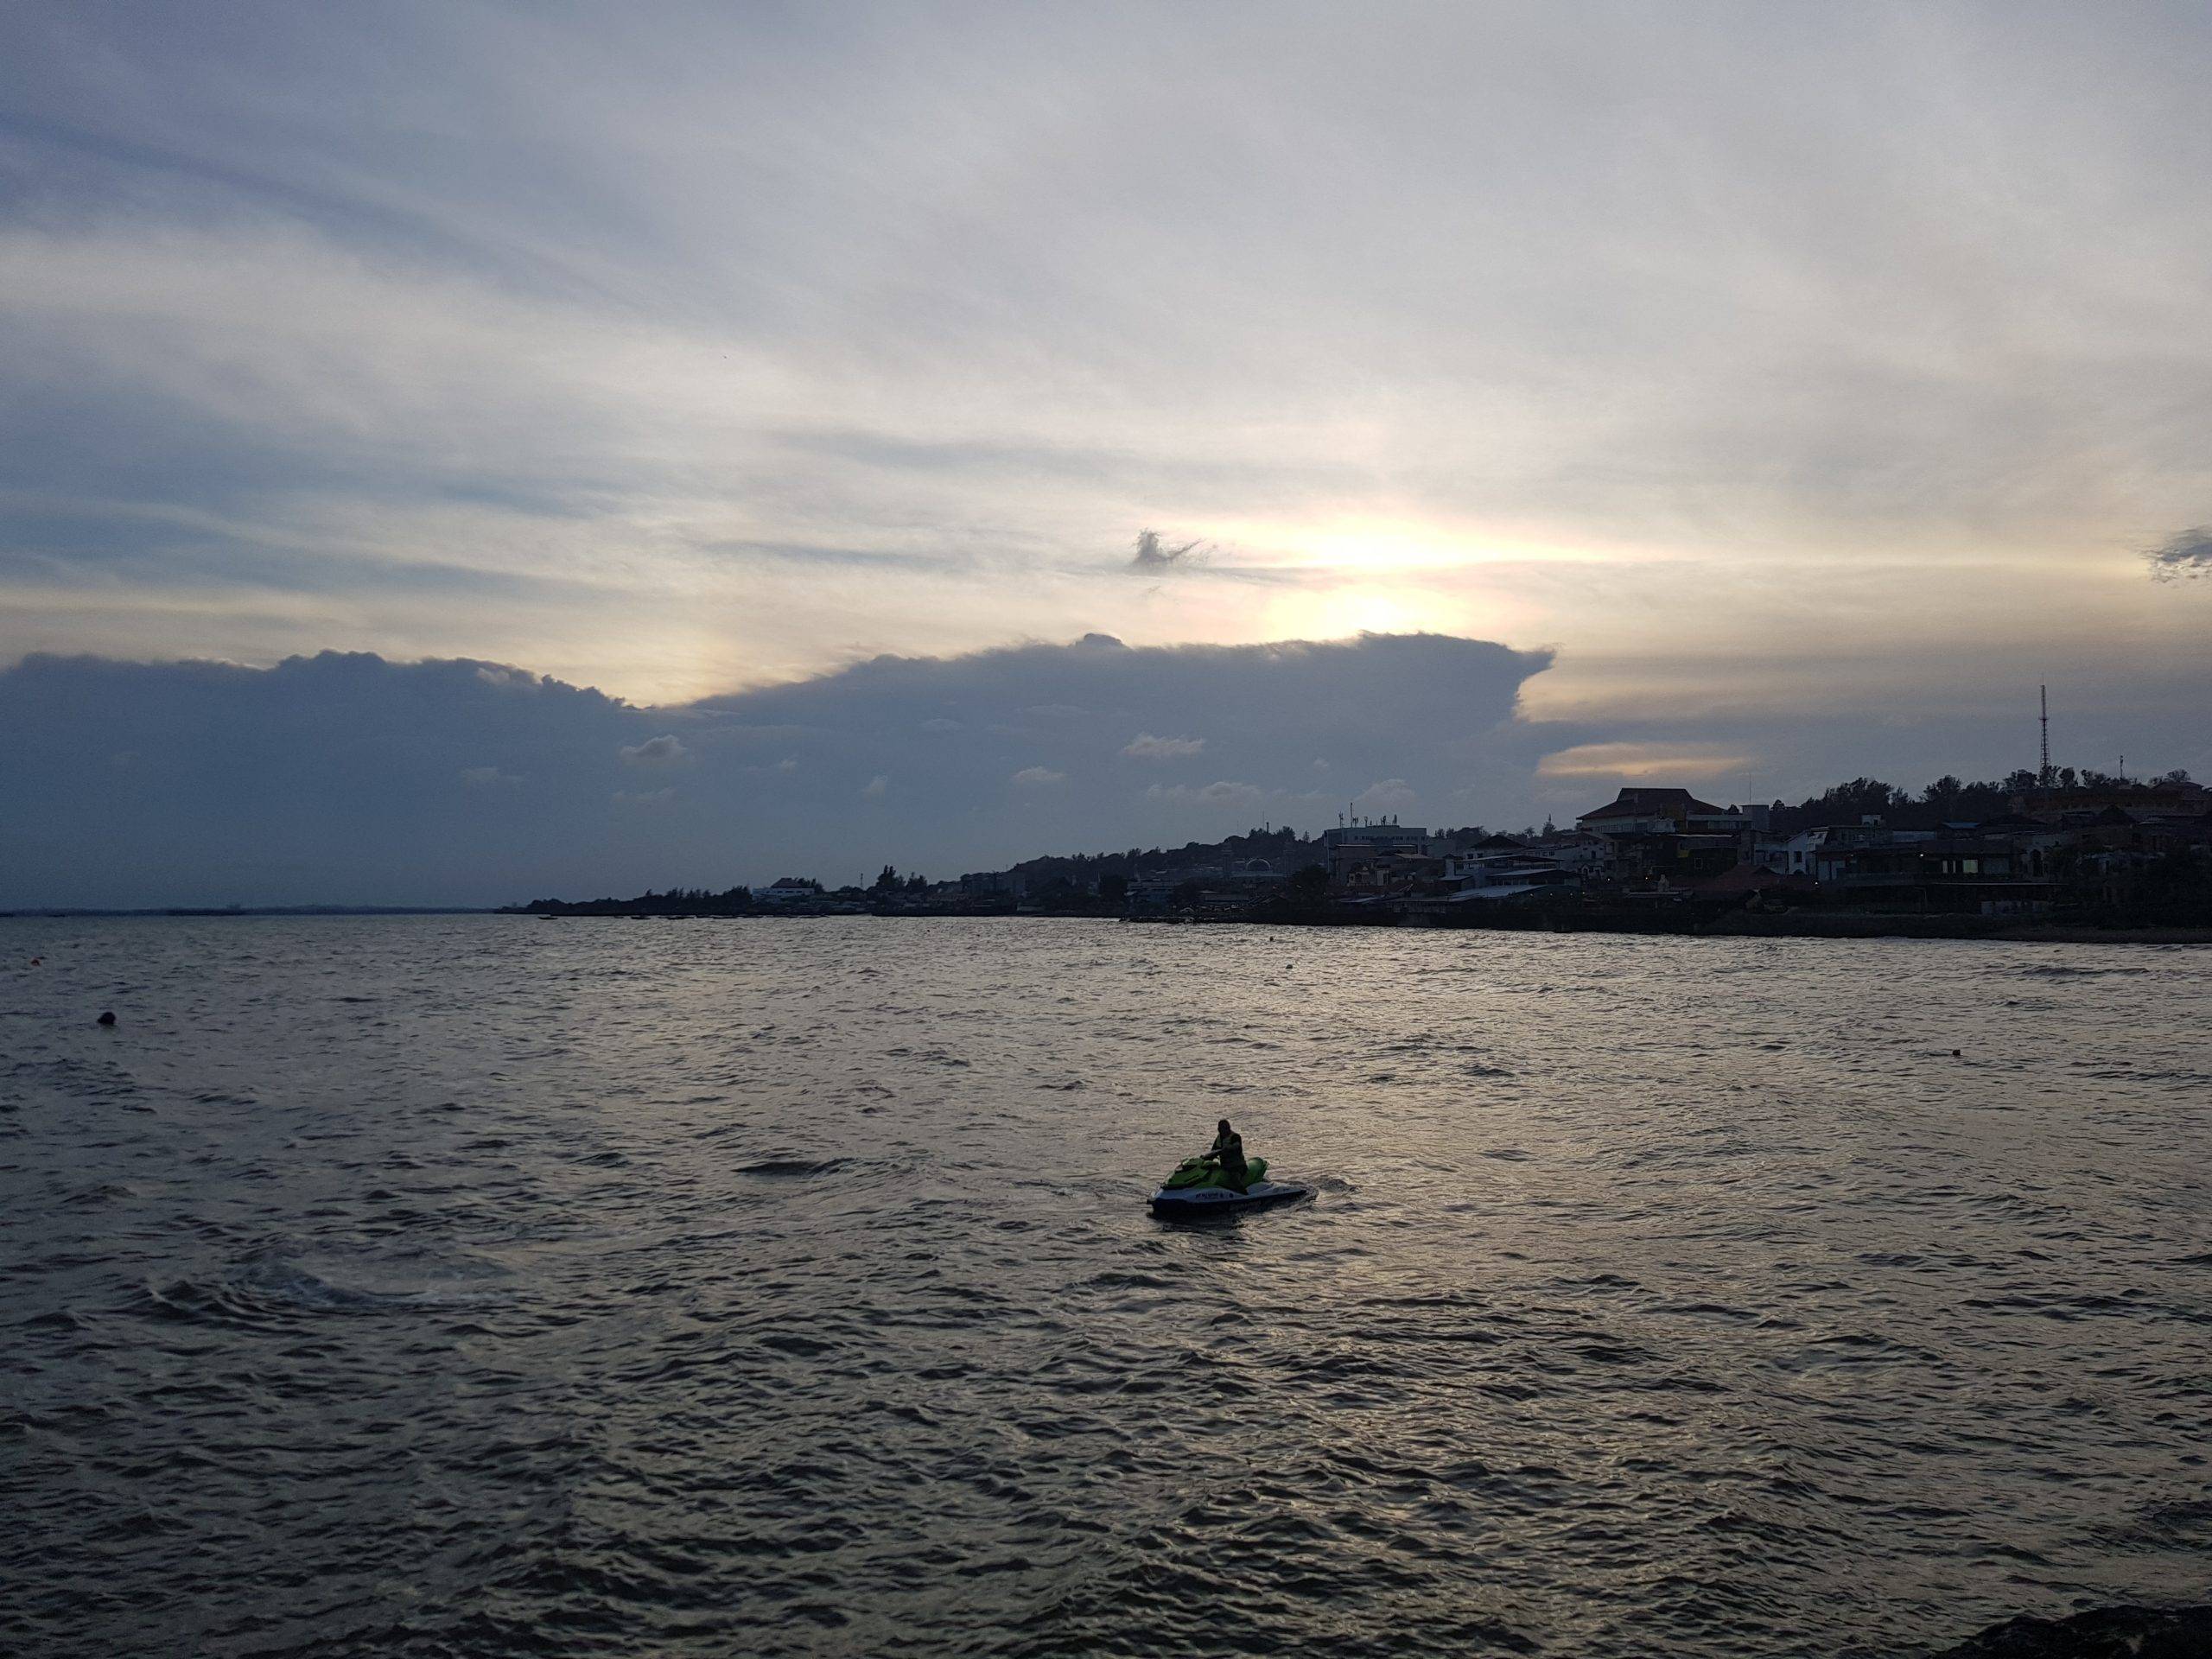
(107, 1019)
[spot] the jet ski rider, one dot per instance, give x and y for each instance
(1228, 1149)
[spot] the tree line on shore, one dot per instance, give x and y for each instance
(1099, 882)
(1948, 800)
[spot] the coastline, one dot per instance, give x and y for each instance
(1806, 925)
(1798, 925)
(1810, 925)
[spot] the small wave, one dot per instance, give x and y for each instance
(286, 1283)
(926, 1056)
(792, 1168)
(102, 1193)
(270, 1289)
(1130, 1282)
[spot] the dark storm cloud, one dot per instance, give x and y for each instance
(2188, 554)
(655, 751)
(349, 779)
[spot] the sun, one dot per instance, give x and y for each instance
(1339, 612)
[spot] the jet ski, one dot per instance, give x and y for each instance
(1197, 1188)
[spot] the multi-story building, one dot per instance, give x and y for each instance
(1667, 834)
(1376, 856)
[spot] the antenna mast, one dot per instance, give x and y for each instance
(2044, 695)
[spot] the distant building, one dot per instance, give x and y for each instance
(788, 892)
(1583, 851)
(1925, 871)
(1388, 834)
(1667, 834)
(1253, 874)
(1502, 866)
(1475, 866)
(1660, 812)
(1381, 857)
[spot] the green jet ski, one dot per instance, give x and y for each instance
(1197, 1188)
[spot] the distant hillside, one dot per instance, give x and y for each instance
(1286, 849)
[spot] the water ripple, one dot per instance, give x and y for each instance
(433, 1287)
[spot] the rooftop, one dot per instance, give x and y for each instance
(1655, 803)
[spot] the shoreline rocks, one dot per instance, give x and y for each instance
(2102, 1633)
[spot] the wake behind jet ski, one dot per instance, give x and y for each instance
(1220, 1180)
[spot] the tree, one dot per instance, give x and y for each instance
(1308, 888)
(886, 880)
(918, 884)
(1113, 887)
(1186, 895)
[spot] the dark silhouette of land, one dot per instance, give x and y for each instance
(2058, 854)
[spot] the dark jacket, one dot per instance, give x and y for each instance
(1229, 1149)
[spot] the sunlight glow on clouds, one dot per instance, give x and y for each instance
(1763, 361)
(1638, 762)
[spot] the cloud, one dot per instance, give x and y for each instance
(1222, 792)
(2188, 554)
(278, 379)
(1647, 762)
(1145, 747)
(1391, 795)
(1152, 555)
(655, 751)
(341, 779)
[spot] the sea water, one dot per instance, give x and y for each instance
(487, 1286)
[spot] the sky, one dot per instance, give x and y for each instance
(1781, 392)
